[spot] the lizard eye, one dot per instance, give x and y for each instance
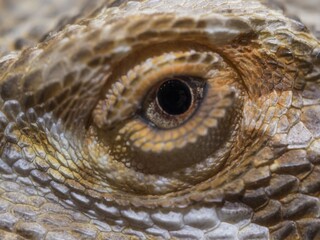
(167, 114)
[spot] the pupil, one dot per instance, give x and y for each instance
(174, 97)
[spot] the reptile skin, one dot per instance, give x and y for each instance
(85, 155)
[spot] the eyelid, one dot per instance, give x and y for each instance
(213, 108)
(130, 89)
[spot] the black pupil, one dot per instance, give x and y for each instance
(174, 97)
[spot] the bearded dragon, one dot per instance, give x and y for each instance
(158, 120)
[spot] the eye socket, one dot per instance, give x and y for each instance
(166, 119)
(173, 101)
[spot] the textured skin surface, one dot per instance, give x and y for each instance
(76, 162)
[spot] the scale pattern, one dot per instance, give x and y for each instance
(66, 174)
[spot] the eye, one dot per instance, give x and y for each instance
(173, 101)
(170, 115)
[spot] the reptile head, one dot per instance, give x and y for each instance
(162, 119)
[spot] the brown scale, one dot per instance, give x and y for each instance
(268, 73)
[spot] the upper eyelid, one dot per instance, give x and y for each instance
(134, 82)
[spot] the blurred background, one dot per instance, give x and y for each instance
(307, 10)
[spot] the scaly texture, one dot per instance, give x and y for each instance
(87, 153)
